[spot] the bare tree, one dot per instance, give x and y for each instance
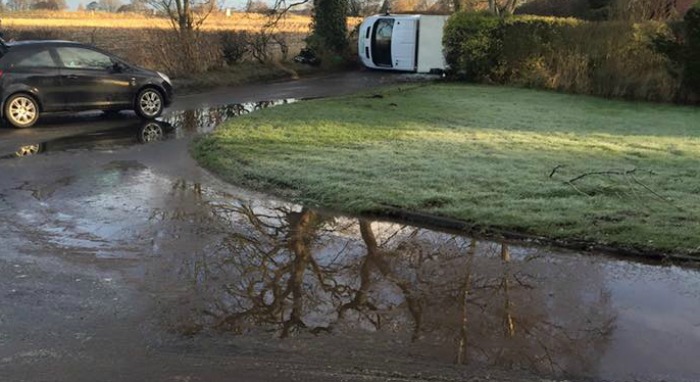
(19, 5)
(639, 10)
(503, 7)
(185, 15)
(357, 8)
(48, 5)
(410, 5)
(109, 5)
(257, 6)
(499, 8)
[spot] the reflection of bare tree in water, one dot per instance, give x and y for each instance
(206, 119)
(375, 260)
(288, 268)
(464, 297)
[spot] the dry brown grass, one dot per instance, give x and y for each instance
(148, 40)
(238, 21)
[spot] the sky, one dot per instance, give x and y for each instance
(236, 4)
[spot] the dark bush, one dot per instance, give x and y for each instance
(691, 78)
(682, 47)
(581, 9)
(235, 45)
(329, 27)
(472, 43)
(528, 37)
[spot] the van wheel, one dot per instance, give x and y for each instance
(21, 111)
(149, 103)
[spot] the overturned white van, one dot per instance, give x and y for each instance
(411, 43)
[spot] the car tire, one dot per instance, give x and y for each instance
(149, 103)
(21, 111)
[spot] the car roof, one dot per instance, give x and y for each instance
(35, 43)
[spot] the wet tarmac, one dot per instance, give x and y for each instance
(122, 260)
(123, 130)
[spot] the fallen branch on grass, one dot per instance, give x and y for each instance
(579, 191)
(627, 173)
(610, 172)
(554, 170)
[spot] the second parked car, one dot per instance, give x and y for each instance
(52, 76)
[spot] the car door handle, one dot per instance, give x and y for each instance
(71, 77)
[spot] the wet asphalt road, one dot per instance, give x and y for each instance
(122, 260)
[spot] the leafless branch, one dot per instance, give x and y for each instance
(609, 172)
(554, 170)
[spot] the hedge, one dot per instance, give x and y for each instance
(610, 59)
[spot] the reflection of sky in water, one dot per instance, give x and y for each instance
(660, 307)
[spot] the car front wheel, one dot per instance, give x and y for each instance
(149, 104)
(21, 111)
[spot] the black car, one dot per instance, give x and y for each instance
(53, 76)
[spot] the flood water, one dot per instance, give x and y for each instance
(217, 262)
(289, 269)
(109, 133)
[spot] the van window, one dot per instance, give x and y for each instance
(381, 42)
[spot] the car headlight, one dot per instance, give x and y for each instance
(164, 77)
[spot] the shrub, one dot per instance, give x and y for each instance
(691, 77)
(329, 24)
(179, 55)
(581, 9)
(682, 48)
(234, 46)
(610, 59)
(472, 44)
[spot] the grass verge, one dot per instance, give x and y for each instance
(561, 166)
(242, 73)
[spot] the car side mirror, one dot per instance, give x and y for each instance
(118, 67)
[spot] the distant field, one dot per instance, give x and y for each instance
(237, 21)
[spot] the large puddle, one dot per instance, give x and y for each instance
(219, 264)
(127, 130)
(445, 297)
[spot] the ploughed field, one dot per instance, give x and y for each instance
(574, 169)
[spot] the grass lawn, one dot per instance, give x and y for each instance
(484, 155)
